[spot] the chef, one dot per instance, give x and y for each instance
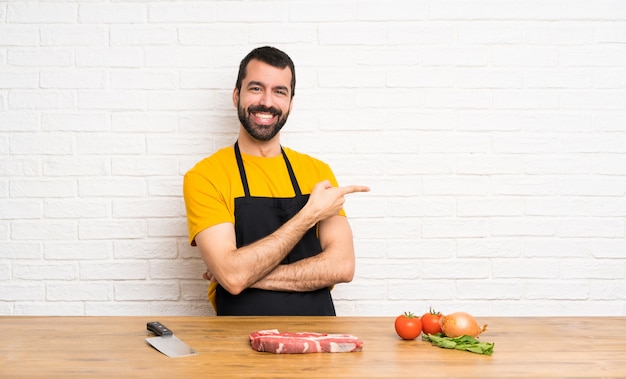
(268, 220)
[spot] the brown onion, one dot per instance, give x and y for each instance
(460, 324)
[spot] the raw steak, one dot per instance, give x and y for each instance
(273, 341)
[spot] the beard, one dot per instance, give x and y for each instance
(261, 132)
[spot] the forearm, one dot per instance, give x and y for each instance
(238, 268)
(307, 274)
(335, 264)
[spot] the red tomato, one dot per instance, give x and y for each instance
(408, 326)
(431, 322)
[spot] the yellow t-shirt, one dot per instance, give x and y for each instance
(211, 186)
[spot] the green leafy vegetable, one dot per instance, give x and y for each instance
(466, 343)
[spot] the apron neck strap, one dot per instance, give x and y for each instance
(244, 179)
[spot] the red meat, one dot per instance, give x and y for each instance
(273, 341)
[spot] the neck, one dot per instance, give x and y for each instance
(251, 146)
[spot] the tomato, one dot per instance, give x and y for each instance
(431, 322)
(408, 326)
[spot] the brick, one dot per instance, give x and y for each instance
(41, 57)
(491, 33)
(19, 250)
(478, 207)
(77, 250)
(141, 166)
(42, 188)
(111, 187)
(168, 227)
(169, 12)
(489, 78)
(71, 35)
(525, 56)
(556, 290)
(422, 249)
(407, 78)
(18, 35)
(224, 34)
(112, 13)
(78, 291)
(382, 270)
(111, 100)
(133, 79)
(136, 308)
(44, 13)
(47, 230)
(487, 248)
(124, 57)
(145, 249)
(489, 164)
(148, 291)
(459, 185)
(610, 207)
(99, 143)
(526, 143)
(111, 229)
(610, 78)
(591, 227)
(538, 268)
(559, 34)
(459, 269)
(20, 291)
(135, 122)
(558, 164)
(489, 290)
(75, 78)
(75, 122)
(182, 269)
(41, 143)
(351, 34)
(528, 10)
(429, 206)
(558, 122)
(20, 209)
(178, 57)
(455, 228)
(555, 206)
(557, 248)
(118, 270)
(460, 10)
(412, 290)
(41, 99)
(142, 35)
(47, 271)
(591, 269)
(49, 308)
(148, 209)
(76, 208)
(600, 56)
(455, 56)
(291, 33)
(64, 166)
(19, 79)
(19, 121)
(181, 100)
(405, 10)
(599, 186)
(524, 226)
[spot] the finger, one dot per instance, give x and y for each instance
(352, 189)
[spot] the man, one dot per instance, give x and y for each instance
(268, 221)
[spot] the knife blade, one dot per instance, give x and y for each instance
(166, 342)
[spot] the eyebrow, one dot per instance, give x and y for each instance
(256, 83)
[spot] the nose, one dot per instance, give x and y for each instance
(266, 99)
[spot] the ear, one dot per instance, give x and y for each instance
(235, 97)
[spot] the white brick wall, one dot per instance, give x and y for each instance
(492, 134)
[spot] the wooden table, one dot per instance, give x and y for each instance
(115, 347)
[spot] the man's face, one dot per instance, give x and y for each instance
(264, 102)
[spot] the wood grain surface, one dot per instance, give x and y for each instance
(99, 347)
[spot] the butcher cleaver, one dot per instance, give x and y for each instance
(166, 342)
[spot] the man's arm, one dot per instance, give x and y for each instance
(238, 268)
(335, 264)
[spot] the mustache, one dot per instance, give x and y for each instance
(262, 108)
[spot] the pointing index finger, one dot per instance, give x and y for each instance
(352, 189)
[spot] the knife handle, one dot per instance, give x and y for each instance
(159, 329)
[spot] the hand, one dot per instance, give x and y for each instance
(208, 276)
(326, 201)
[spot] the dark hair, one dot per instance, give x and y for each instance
(271, 56)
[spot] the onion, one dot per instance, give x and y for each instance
(460, 324)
